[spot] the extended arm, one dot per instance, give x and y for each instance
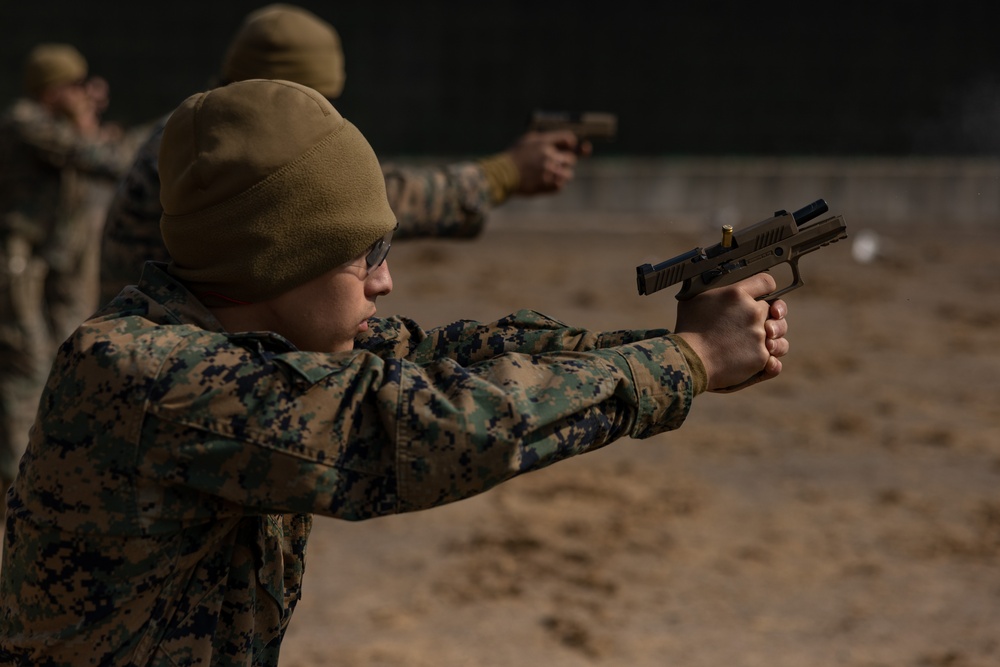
(468, 341)
(454, 200)
(59, 143)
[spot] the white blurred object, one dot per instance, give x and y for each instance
(866, 246)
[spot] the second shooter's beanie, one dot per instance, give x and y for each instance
(52, 65)
(265, 186)
(282, 41)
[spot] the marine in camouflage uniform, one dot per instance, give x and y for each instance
(287, 42)
(168, 490)
(164, 504)
(49, 171)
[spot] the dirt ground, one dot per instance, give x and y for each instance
(846, 513)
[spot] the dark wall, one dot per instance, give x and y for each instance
(686, 78)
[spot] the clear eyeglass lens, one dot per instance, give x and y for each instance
(378, 252)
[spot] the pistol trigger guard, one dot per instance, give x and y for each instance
(796, 283)
(685, 292)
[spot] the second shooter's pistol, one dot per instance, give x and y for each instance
(783, 238)
(586, 125)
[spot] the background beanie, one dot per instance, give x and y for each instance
(283, 41)
(52, 65)
(265, 186)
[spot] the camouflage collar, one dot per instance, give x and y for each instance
(157, 285)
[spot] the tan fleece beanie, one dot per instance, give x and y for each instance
(52, 65)
(283, 41)
(265, 186)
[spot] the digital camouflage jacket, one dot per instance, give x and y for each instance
(161, 512)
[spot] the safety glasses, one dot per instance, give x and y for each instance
(378, 251)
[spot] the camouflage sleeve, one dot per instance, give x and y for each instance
(450, 201)
(467, 341)
(477, 426)
(132, 226)
(220, 424)
(357, 435)
(56, 141)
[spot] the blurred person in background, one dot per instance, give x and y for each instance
(58, 166)
(282, 41)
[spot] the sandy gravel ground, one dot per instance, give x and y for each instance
(844, 514)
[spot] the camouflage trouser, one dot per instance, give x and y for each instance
(25, 348)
